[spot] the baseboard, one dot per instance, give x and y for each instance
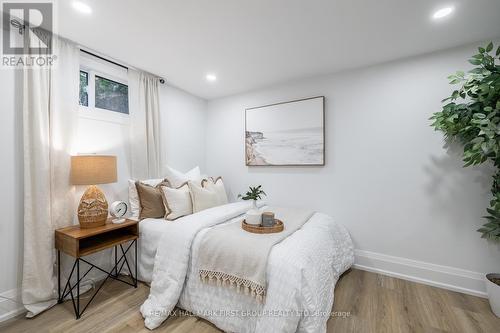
(10, 304)
(446, 277)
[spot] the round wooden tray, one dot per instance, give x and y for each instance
(259, 229)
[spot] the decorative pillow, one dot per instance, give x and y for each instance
(202, 198)
(218, 187)
(177, 178)
(151, 201)
(177, 201)
(133, 196)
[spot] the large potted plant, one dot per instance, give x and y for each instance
(471, 115)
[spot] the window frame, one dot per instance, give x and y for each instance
(97, 67)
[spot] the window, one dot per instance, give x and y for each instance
(111, 95)
(84, 87)
(103, 88)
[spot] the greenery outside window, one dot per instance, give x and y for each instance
(111, 95)
(84, 86)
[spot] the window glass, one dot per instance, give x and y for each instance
(111, 95)
(84, 87)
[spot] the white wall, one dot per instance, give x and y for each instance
(388, 178)
(183, 124)
(182, 117)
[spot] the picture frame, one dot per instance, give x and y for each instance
(290, 133)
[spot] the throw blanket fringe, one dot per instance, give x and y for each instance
(241, 285)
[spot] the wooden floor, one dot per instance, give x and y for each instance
(364, 302)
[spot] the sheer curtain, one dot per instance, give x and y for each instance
(144, 125)
(50, 105)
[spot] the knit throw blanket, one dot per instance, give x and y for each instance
(235, 258)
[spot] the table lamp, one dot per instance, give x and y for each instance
(92, 170)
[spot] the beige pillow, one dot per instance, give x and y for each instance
(133, 196)
(202, 198)
(217, 186)
(177, 201)
(150, 200)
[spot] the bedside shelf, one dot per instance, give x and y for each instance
(96, 244)
(78, 242)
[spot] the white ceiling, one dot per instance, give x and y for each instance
(255, 43)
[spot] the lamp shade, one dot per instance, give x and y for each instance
(93, 169)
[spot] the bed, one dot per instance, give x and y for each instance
(302, 271)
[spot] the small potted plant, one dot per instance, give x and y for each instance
(254, 215)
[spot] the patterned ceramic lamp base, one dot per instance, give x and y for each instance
(93, 208)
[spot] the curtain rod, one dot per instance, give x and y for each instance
(162, 81)
(102, 58)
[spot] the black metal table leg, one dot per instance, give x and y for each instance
(113, 273)
(59, 300)
(78, 288)
(135, 251)
(116, 255)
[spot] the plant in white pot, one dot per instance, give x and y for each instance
(471, 116)
(254, 215)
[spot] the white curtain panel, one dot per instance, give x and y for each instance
(144, 113)
(50, 106)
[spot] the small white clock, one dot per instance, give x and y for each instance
(118, 209)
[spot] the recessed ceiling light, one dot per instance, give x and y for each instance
(211, 77)
(82, 7)
(443, 12)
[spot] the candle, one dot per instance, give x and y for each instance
(268, 219)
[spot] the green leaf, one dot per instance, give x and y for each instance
(489, 47)
(481, 49)
(493, 212)
(479, 139)
(498, 51)
(475, 62)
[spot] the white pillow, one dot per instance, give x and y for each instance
(218, 187)
(133, 196)
(177, 178)
(202, 198)
(177, 201)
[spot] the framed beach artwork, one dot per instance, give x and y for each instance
(286, 134)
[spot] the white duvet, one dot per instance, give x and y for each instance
(301, 275)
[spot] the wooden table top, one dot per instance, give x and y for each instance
(78, 233)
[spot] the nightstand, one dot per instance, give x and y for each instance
(77, 243)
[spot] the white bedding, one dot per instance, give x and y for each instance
(302, 272)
